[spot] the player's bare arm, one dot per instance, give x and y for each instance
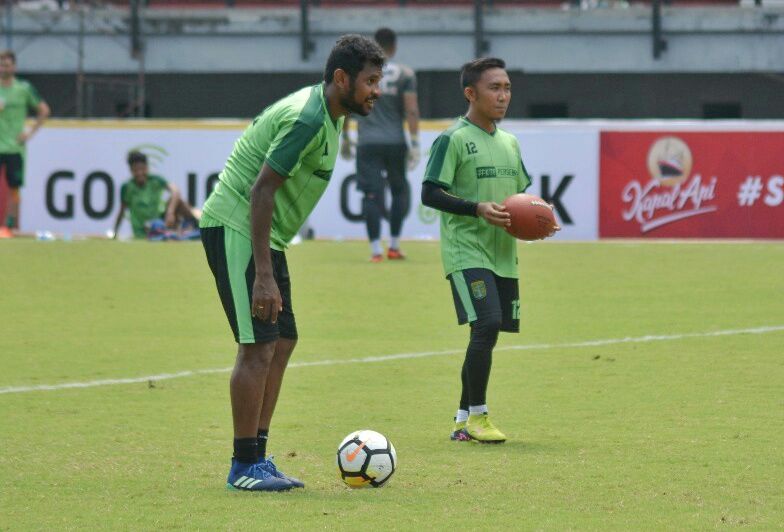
(174, 200)
(42, 113)
(411, 107)
(266, 295)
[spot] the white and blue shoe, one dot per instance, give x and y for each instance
(254, 477)
(269, 466)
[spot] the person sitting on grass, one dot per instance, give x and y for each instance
(143, 196)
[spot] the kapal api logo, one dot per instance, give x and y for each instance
(673, 193)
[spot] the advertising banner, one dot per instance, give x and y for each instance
(74, 174)
(692, 184)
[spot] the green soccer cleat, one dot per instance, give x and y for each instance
(480, 428)
(459, 432)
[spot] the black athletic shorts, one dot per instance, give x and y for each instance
(481, 294)
(13, 166)
(378, 160)
(230, 257)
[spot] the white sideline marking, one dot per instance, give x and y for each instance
(400, 356)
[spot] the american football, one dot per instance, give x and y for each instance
(532, 217)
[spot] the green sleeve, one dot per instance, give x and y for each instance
(290, 145)
(443, 162)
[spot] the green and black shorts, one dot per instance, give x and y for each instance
(230, 257)
(480, 294)
(12, 165)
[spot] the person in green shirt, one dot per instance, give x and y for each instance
(142, 195)
(275, 175)
(473, 166)
(17, 99)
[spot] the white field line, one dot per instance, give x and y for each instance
(400, 356)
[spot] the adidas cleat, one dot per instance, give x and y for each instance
(254, 477)
(269, 466)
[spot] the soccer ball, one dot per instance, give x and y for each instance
(366, 458)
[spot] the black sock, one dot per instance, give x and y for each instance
(261, 439)
(246, 450)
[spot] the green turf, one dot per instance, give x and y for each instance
(676, 434)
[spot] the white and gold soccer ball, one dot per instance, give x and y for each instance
(366, 458)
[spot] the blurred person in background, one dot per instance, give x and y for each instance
(382, 150)
(273, 179)
(142, 195)
(17, 99)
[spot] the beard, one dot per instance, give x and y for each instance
(349, 101)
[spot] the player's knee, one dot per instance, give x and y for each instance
(484, 331)
(256, 357)
(372, 200)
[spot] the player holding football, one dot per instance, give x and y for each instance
(275, 175)
(474, 165)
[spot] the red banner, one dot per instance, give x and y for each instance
(691, 185)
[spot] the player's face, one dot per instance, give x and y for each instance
(492, 93)
(7, 68)
(139, 172)
(363, 91)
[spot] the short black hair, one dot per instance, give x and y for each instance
(386, 38)
(472, 71)
(351, 53)
(136, 157)
(8, 54)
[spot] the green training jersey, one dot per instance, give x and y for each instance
(477, 166)
(15, 102)
(145, 202)
(299, 140)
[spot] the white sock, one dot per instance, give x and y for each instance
(479, 409)
(462, 416)
(394, 242)
(375, 246)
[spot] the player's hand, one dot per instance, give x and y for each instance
(23, 137)
(267, 302)
(347, 148)
(494, 213)
(414, 154)
(556, 227)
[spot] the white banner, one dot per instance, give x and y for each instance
(74, 174)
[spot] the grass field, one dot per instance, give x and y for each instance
(683, 431)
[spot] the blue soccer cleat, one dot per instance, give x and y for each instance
(254, 477)
(269, 466)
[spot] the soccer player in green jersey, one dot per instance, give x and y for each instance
(474, 165)
(142, 195)
(17, 98)
(275, 175)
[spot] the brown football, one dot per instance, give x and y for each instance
(532, 217)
